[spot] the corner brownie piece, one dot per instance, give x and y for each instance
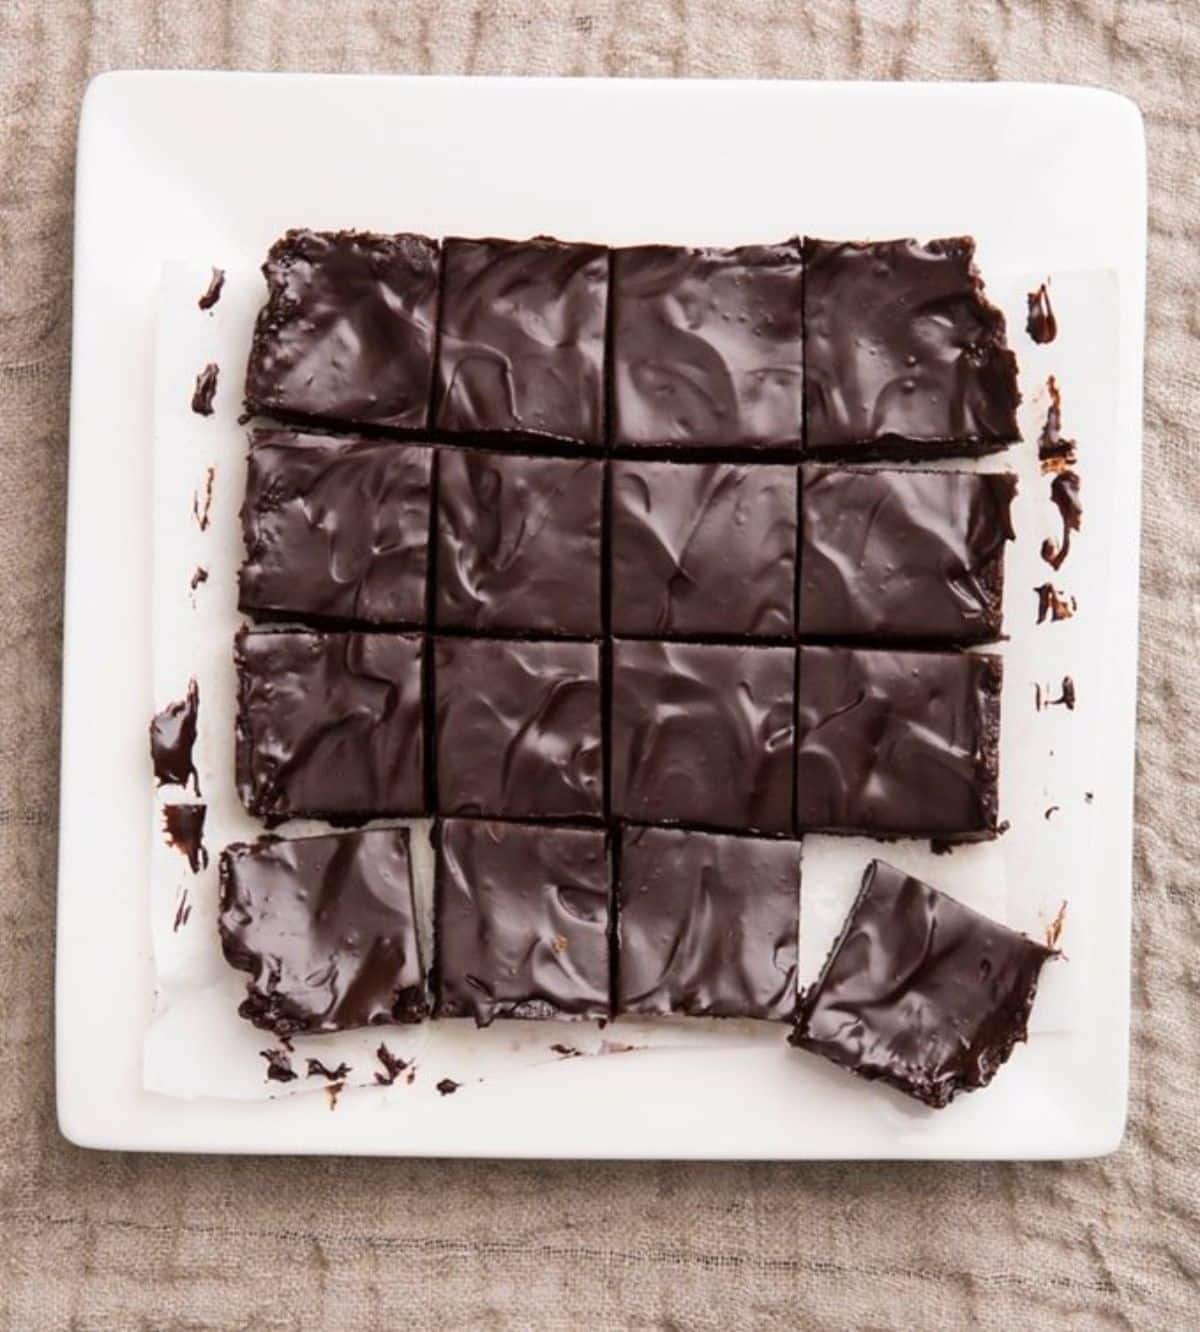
(703, 548)
(897, 743)
(903, 354)
(335, 529)
(519, 543)
(518, 728)
(521, 921)
(920, 991)
(707, 346)
(347, 332)
(702, 735)
(707, 925)
(522, 338)
(329, 725)
(326, 928)
(903, 554)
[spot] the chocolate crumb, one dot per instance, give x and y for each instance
(1050, 810)
(201, 511)
(940, 847)
(212, 293)
(1088, 797)
(316, 1069)
(182, 912)
(565, 1051)
(448, 1086)
(1055, 928)
(279, 1066)
(1037, 698)
(1067, 698)
(1053, 604)
(393, 1066)
(411, 1076)
(335, 1090)
(205, 390)
(1041, 324)
(184, 827)
(200, 576)
(1055, 453)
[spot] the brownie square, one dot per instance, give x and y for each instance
(920, 991)
(897, 743)
(707, 346)
(703, 548)
(522, 338)
(518, 729)
(519, 543)
(335, 529)
(902, 352)
(702, 735)
(329, 725)
(521, 921)
(903, 555)
(347, 332)
(707, 925)
(326, 928)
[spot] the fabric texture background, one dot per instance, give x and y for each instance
(106, 1241)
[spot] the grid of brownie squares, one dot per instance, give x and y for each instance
(575, 588)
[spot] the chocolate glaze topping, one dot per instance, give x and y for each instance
(521, 921)
(184, 827)
(326, 930)
(1041, 324)
(703, 548)
(898, 743)
(702, 734)
(347, 333)
(518, 728)
(335, 529)
(205, 390)
(920, 991)
(522, 338)
(172, 737)
(707, 346)
(212, 293)
(518, 543)
(329, 725)
(904, 555)
(707, 924)
(903, 353)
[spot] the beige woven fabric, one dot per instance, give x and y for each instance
(94, 1241)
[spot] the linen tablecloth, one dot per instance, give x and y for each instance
(105, 1241)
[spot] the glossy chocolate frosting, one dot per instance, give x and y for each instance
(903, 354)
(707, 346)
(521, 921)
(518, 728)
(707, 924)
(702, 734)
(921, 991)
(903, 554)
(329, 725)
(522, 338)
(335, 529)
(326, 928)
(897, 743)
(173, 738)
(519, 542)
(702, 548)
(347, 333)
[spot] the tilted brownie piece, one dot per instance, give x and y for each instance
(521, 921)
(707, 346)
(898, 743)
(518, 729)
(921, 991)
(703, 548)
(335, 529)
(707, 925)
(519, 542)
(347, 332)
(702, 734)
(329, 725)
(903, 354)
(326, 928)
(522, 338)
(903, 554)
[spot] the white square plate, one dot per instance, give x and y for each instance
(214, 166)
